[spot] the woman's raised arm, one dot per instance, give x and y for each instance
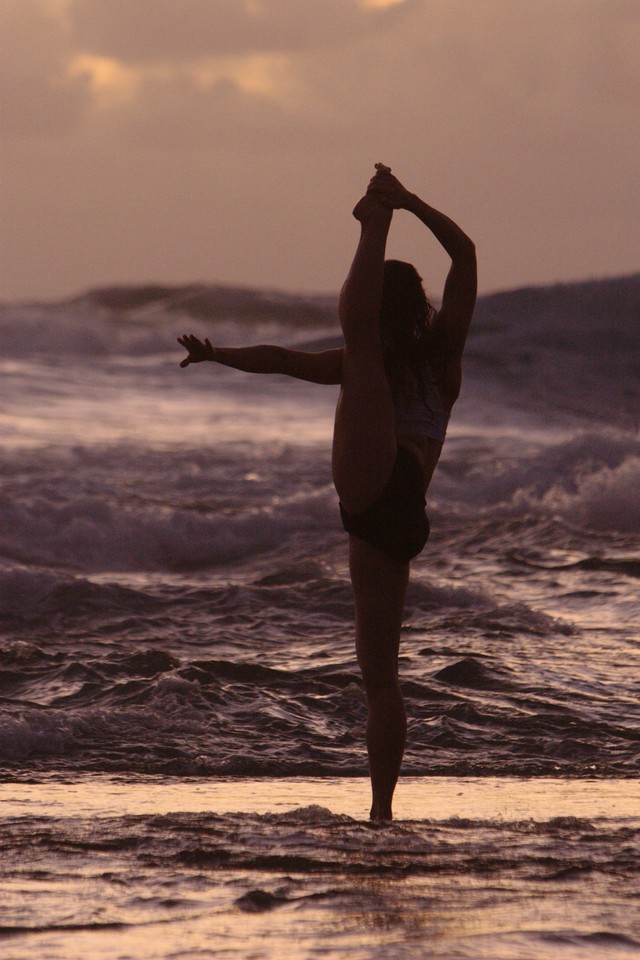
(460, 290)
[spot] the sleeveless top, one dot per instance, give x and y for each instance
(428, 419)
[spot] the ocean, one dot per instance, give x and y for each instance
(182, 763)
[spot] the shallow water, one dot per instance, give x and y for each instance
(163, 867)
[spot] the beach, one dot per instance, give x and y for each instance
(182, 763)
(478, 867)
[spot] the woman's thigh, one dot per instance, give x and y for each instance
(364, 438)
(379, 588)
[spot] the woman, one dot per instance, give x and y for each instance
(400, 373)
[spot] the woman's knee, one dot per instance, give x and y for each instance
(380, 684)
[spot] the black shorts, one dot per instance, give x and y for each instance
(396, 523)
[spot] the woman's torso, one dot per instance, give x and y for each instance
(421, 420)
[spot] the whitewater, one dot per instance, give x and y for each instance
(181, 716)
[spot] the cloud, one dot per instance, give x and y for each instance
(179, 114)
(168, 31)
(41, 99)
(146, 134)
(179, 74)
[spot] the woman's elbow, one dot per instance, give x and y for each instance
(466, 249)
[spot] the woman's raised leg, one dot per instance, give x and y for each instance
(364, 440)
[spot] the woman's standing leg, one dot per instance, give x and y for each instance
(364, 452)
(379, 586)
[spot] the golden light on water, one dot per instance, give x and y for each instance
(418, 798)
(115, 878)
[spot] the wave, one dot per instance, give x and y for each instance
(561, 319)
(121, 509)
(146, 320)
(436, 885)
(32, 594)
(90, 534)
(176, 736)
(544, 356)
(571, 317)
(312, 840)
(591, 480)
(80, 703)
(212, 302)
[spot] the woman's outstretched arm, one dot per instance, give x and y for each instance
(324, 367)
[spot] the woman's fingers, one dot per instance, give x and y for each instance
(192, 345)
(189, 341)
(196, 349)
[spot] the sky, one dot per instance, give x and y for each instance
(226, 141)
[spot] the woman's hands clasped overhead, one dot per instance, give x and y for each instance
(387, 189)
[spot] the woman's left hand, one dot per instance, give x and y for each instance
(197, 350)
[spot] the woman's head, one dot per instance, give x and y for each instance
(406, 318)
(406, 311)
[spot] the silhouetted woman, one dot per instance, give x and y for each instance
(400, 372)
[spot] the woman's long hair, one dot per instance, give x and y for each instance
(407, 326)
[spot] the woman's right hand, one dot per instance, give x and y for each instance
(197, 350)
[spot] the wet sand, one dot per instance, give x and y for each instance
(150, 868)
(417, 798)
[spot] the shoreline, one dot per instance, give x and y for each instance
(417, 798)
